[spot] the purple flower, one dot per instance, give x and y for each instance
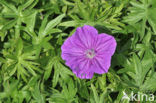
(86, 52)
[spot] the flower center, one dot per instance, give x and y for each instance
(90, 53)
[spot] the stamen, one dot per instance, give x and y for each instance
(90, 53)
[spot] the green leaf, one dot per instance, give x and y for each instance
(9, 25)
(27, 4)
(68, 24)
(52, 24)
(9, 6)
(150, 83)
(96, 97)
(19, 47)
(138, 70)
(30, 20)
(152, 19)
(37, 95)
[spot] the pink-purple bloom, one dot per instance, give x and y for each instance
(86, 52)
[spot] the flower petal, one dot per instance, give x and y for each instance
(101, 63)
(70, 49)
(86, 35)
(83, 70)
(106, 44)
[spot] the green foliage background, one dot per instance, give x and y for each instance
(32, 32)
